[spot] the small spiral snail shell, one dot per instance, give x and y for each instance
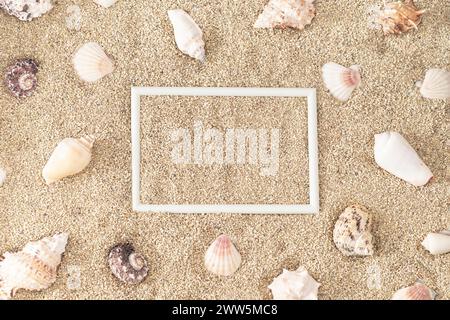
(21, 77)
(127, 265)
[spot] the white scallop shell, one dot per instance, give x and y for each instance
(437, 243)
(2, 176)
(341, 81)
(395, 155)
(286, 14)
(91, 62)
(188, 35)
(294, 285)
(33, 268)
(436, 84)
(222, 257)
(105, 3)
(352, 232)
(70, 157)
(418, 291)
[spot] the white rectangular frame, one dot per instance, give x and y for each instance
(309, 93)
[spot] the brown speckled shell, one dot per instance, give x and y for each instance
(399, 17)
(119, 262)
(20, 78)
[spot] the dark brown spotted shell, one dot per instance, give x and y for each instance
(20, 78)
(127, 265)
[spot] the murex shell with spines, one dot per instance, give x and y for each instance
(127, 265)
(20, 77)
(26, 10)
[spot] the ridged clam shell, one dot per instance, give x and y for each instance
(436, 84)
(127, 265)
(26, 10)
(395, 155)
(341, 81)
(222, 257)
(352, 232)
(437, 243)
(70, 157)
(286, 14)
(33, 268)
(91, 63)
(294, 285)
(418, 291)
(188, 35)
(105, 3)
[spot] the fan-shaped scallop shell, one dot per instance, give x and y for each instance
(21, 79)
(127, 265)
(26, 10)
(341, 81)
(222, 257)
(105, 3)
(436, 84)
(286, 14)
(33, 268)
(294, 285)
(91, 62)
(418, 291)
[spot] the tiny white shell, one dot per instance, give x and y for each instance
(341, 81)
(222, 257)
(73, 17)
(437, 243)
(436, 84)
(105, 3)
(294, 285)
(395, 155)
(188, 35)
(2, 176)
(418, 291)
(91, 62)
(286, 14)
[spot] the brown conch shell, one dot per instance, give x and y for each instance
(126, 264)
(33, 268)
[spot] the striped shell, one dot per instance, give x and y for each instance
(418, 291)
(341, 81)
(436, 84)
(91, 63)
(222, 258)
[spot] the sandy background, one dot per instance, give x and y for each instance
(95, 207)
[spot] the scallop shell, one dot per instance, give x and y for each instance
(2, 176)
(418, 291)
(105, 3)
(91, 62)
(222, 257)
(127, 265)
(188, 35)
(437, 243)
(20, 77)
(398, 17)
(341, 81)
(33, 268)
(436, 84)
(395, 155)
(26, 10)
(70, 157)
(73, 17)
(294, 285)
(352, 232)
(286, 14)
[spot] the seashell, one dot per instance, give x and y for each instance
(188, 35)
(105, 3)
(436, 84)
(341, 81)
(20, 77)
(286, 14)
(127, 265)
(70, 157)
(352, 232)
(294, 285)
(91, 62)
(397, 17)
(222, 257)
(73, 17)
(33, 268)
(26, 10)
(418, 291)
(2, 176)
(437, 243)
(394, 154)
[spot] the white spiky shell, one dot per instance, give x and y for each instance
(70, 157)
(26, 10)
(33, 268)
(436, 84)
(395, 155)
(418, 291)
(286, 14)
(222, 257)
(340, 80)
(91, 62)
(352, 232)
(437, 243)
(188, 35)
(105, 3)
(294, 285)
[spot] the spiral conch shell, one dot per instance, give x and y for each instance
(437, 243)
(33, 268)
(286, 14)
(21, 78)
(294, 285)
(395, 155)
(188, 35)
(436, 84)
(418, 291)
(222, 257)
(70, 157)
(126, 264)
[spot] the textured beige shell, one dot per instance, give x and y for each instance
(105, 3)
(395, 155)
(352, 232)
(2, 176)
(188, 35)
(222, 257)
(26, 10)
(437, 243)
(341, 81)
(436, 84)
(286, 14)
(399, 17)
(418, 291)
(33, 268)
(91, 63)
(70, 157)
(294, 285)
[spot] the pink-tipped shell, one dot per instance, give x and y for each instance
(222, 257)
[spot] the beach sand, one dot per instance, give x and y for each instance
(95, 206)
